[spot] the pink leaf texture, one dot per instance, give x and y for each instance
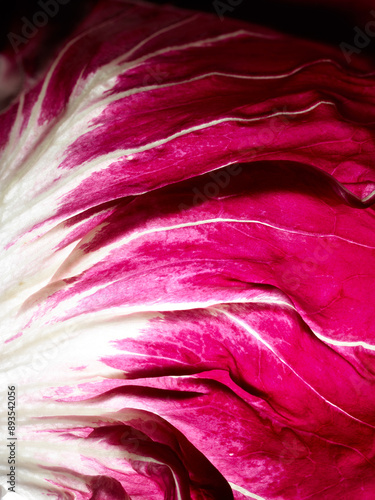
(187, 253)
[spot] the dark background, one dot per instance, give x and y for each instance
(326, 20)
